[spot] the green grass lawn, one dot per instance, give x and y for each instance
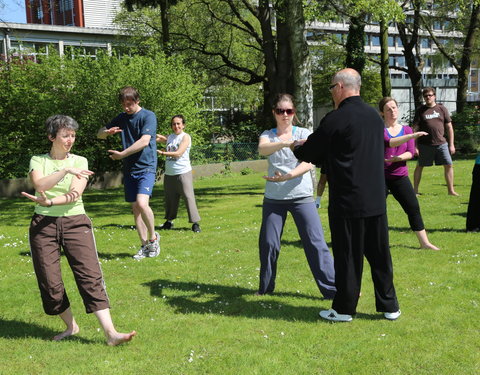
(194, 309)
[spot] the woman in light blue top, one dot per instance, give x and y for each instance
(178, 180)
(289, 188)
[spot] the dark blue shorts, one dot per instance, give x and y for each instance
(135, 184)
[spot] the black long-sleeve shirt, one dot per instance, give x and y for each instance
(349, 144)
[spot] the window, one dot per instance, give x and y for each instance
(65, 5)
(426, 43)
(391, 41)
(375, 41)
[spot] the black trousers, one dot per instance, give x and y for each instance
(402, 191)
(473, 212)
(352, 239)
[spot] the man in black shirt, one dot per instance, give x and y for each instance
(349, 144)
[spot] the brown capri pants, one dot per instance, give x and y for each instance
(75, 235)
(178, 186)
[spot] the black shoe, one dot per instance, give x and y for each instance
(196, 228)
(167, 225)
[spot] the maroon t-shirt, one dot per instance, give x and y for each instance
(432, 120)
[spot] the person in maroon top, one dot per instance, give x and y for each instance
(434, 118)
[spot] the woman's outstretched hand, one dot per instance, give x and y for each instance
(42, 200)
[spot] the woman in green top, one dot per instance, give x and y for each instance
(59, 221)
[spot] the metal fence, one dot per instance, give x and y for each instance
(224, 152)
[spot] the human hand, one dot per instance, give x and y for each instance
(116, 155)
(160, 138)
(113, 130)
(79, 172)
(452, 149)
(278, 177)
(419, 134)
(42, 200)
(393, 159)
(297, 143)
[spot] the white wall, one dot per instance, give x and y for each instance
(100, 13)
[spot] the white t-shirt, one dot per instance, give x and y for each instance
(181, 165)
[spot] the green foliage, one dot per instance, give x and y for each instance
(86, 89)
(371, 90)
(246, 171)
(467, 129)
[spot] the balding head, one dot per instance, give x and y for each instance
(348, 84)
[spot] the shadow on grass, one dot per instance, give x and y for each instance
(230, 301)
(105, 256)
(14, 329)
(429, 230)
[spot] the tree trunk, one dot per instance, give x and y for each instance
(165, 27)
(384, 60)
(301, 63)
(413, 60)
(464, 69)
(278, 58)
(356, 44)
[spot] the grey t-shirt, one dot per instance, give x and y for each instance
(284, 161)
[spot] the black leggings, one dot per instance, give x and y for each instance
(402, 191)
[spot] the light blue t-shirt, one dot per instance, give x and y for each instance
(284, 161)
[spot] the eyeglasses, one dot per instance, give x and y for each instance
(288, 112)
(331, 87)
(428, 95)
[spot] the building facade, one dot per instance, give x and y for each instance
(80, 13)
(28, 41)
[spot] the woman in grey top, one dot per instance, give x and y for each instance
(289, 188)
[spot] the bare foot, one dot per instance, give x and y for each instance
(429, 246)
(120, 338)
(454, 193)
(68, 332)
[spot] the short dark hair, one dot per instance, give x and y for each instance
(128, 93)
(426, 90)
(181, 117)
(56, 122)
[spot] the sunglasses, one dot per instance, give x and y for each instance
(428, 95)
(288, 112)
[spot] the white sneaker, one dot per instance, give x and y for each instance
(334, 316)
(153, 248)
(392, 315)
(142, 253)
